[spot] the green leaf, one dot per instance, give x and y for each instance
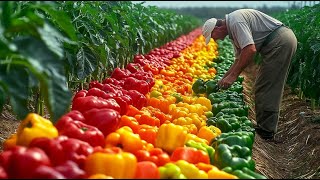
(62, 19)
(15, 80)
(59, 96)
(49, 70)
(87, 62)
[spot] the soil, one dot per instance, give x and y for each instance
(296, 155)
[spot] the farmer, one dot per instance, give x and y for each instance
(252, 31)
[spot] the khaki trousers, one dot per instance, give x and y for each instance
(272, 74)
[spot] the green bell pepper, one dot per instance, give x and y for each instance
(202, 146)
(198, 86)
(234, 138)
(244, 173)
(234, 156)
(211, 86)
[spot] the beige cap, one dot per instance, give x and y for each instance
(208, 28)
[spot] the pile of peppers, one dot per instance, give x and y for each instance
(162, 112)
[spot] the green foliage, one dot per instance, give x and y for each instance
(48, 48)
(31, 57)
(305, 67)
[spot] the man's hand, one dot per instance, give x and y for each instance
(226, 82)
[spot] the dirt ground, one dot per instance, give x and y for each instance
(297, 157)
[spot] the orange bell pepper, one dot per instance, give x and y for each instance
(10, 142)
(120, 165)
(125, 138)
(132, 111)
(34, 126)
(148, 120)
(148, 133)
(130, 122)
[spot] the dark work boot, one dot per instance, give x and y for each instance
(264, 134)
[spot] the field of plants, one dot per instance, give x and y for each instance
(98, 93)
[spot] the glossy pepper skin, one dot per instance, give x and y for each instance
(225, 124)
(244, 173)
(62, 149)
(79, 130)
(211, 86)
(190, 154)
(171, 171)
(203, 147)
(147, 170)
(198, 86)
(208, 132)
(190, 170)
(84, 104)
(120, 165)
(155, 155)
(241, 138)
(21, 162)
(125, 138)
(34, 126)
(105, 119)
(234, 156)
(132, 83)
(170, 136)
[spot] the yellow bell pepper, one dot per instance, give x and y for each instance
(215, 173)
(208, 132)
(170, 136)
(125, 138)
(205, 102)
(196, 139)
(117, 165)
(190, 170)
(34, 126)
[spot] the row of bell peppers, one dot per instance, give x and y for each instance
(143, 116)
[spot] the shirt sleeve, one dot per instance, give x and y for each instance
(242, 34)
(236, 51)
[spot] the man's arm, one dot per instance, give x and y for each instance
(246, 56)
(231, 68)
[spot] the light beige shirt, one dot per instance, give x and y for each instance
(249, 26)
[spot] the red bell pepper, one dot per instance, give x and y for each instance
(117, 90)
(138, 99)
(155, 155)
(120, 73)
(81, 93)
(100, 93)
(21, 162)
(70, 170)
(73, 128)
(87, 103)
(3, 173)
(124, 101)
(190, 154)
(46, 172)
(147, 170)
(134, 67)
(144, 75)
(62, 149)
(105, 119)
(113, 81)
(95, 84)
(132, 83)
